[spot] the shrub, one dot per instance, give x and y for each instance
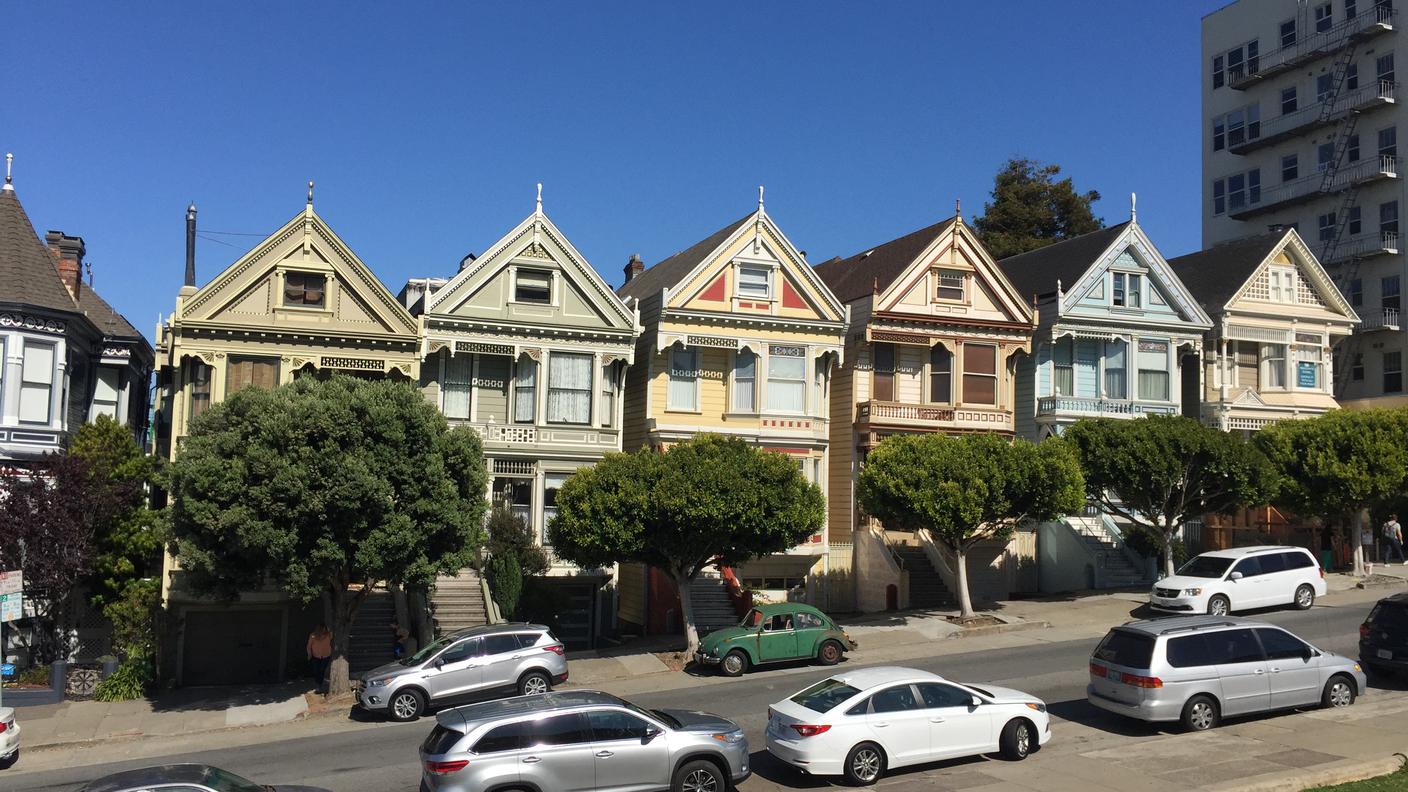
(506, 583)
(511, 535)
(130, 681)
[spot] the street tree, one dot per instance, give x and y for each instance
(327, 486)
(1160, 471)
(1031, 207)
(1340, 464)
(968, 489)
(711, 500)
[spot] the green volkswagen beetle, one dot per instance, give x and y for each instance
(774, 634)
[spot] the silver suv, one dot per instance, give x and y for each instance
(580, 740)
(522, 658)
(1198, 669)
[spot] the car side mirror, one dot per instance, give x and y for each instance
(975, 702)
(650, 734)
(1309, 653)
(1235, 576)
(439, 663)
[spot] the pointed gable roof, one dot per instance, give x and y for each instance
(1036, 272)
(873, 270)
(27, 272)
(1215, 275)
(677, 267)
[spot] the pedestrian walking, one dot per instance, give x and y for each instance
(320, 656)
(1393, 537)
(1366, 544)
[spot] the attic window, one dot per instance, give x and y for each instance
(753, 283)
(306, 289)
(533, 286)
(950, 283)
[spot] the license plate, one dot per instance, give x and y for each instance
(1385, 654)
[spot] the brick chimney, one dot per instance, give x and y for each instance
(634, 267)
(68, 259)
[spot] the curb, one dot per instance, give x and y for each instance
(1305, 779)
(997, 629)
(1394, 583)
(131, 736)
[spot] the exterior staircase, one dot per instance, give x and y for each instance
(457, 602)
(1116, 569)
(369, 644)
(926, 588)
(713, 608)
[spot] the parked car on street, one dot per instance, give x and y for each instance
(515, 658)
(1222, 581)
(862, 723)
(9, 737)
(1200, 669)
(577, 740)
(1383, 637)
(774, 634)
(184, 778)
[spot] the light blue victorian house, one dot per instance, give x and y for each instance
(1118, 336)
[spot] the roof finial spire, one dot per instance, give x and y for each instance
(1133, 215)
(760, 197)
(538, 207)
(310, 192)
(9, 162)
(958, 208)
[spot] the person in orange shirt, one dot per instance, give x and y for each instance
(320, 655)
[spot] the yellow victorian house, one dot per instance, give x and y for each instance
(740, 337)
(300, 303)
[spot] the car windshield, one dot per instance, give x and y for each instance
(225, 781)
(1206, 567)
(659, 715)
(825, 695)
(752, 619)
(1388, 616)
(429, 651)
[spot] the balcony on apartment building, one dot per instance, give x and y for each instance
(898, 416)
(1259, 134)
(1380, 18)
(1382, 320)
(1308, 188)
(1110, 408)
(1363, 246)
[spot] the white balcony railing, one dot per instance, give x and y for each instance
(1384, 243)
(1051, 405)
(1378, 19)
(1264, 199)
(1272, 130)
(926, 416)
(1382, 319)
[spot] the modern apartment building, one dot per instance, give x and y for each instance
(1300, 130)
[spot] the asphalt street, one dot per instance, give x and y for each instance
(383, 758)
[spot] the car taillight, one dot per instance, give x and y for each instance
(1141, 681)
(1097, 669)
(3, 726)
(444, 768)
(803, 730)
(1322, 573)
(555, 649)
(1363, 633)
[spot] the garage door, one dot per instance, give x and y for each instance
(231, 647)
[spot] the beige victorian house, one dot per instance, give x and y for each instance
(936, 331)
(299, 303)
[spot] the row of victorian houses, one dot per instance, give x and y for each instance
(736, 334)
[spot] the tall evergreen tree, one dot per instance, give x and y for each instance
(1031, 207)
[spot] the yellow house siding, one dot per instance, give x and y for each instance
(636, 410)
(631, 594)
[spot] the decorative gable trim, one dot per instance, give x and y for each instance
(1311, 279)
(1133, 237)
(981, 264)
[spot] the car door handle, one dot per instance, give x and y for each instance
(936, 719)
(604, 754)
(879, 725)
(531, 759)
(1260, 671)
(1275, 670)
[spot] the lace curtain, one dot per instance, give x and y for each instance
(570, 389)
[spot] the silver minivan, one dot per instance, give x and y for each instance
(579, 740)
(521, 658)
(1199, 669)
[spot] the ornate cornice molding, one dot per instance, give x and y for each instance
(32, 322)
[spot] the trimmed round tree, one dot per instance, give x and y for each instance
(326, 486)
(967, 489)
(711, 500)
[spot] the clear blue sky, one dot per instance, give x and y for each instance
(650, 125)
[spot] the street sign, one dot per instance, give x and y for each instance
(11, 582)
(11, 607)
(7, 669)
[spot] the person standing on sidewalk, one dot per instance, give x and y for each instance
(1366, 545)
(1393, 536)
(320, 655)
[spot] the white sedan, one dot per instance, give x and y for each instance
(860, 723)
(9, 737)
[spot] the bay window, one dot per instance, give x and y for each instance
(1063, 364)
(683, 393)
(525, 390)
(455, 387)
(787, 379)
(940, 374)
(1153, 370)
(105, 392)
(246, 372)
(200, 389)
(1273, 364)
(884, 369)
(36, 382)
(1115, 369)
(570, 388)
(979, 374)
(608, 395)
(1309, 367)
(745, 381)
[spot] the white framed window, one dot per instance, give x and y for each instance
(305, 289)
(608, 396)
(1115, 367)
(570, 388)
(1282, 284)
(105, 392)
(1063, 363)
(940, 374)
(787, 379)
(950, 285)
(1126, 289)
(1273, 365)
(1324, 18)
(552, 482)
(684, 380)
(745, 381)
(455, 386)
(1310, 366)
(754, 283)
(532, 286)
(1153, 370)
(37, 382)
(525, 390)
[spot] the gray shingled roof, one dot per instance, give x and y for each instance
(675, 268)
(27, 272)
(1216, 274)
(1036, 272)
(876, 268)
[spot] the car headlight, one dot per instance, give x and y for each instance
(1193, 592)
(378, 682)
(732, 738)
(1036, 705)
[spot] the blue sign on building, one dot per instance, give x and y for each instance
(1305, 375)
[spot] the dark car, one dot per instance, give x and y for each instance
(187, 778)
(1383, 637)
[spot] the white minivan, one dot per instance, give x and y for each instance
(1222, 581)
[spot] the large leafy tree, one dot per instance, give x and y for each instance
(1336, 465)
(1163, 470)
(711, 500)
(964, 490)
(327, 487)
(1032, 207)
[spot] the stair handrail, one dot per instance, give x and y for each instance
(741, 598)
(1112, 529)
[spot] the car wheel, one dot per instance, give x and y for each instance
(1305, 597)
(406, 705)
(1017, 739)
(533, 683)
(864, 764)
(1219, 606)
(699, 776)
(830, 653)
(1200, 713)
(734, 663)
(1339, 692)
